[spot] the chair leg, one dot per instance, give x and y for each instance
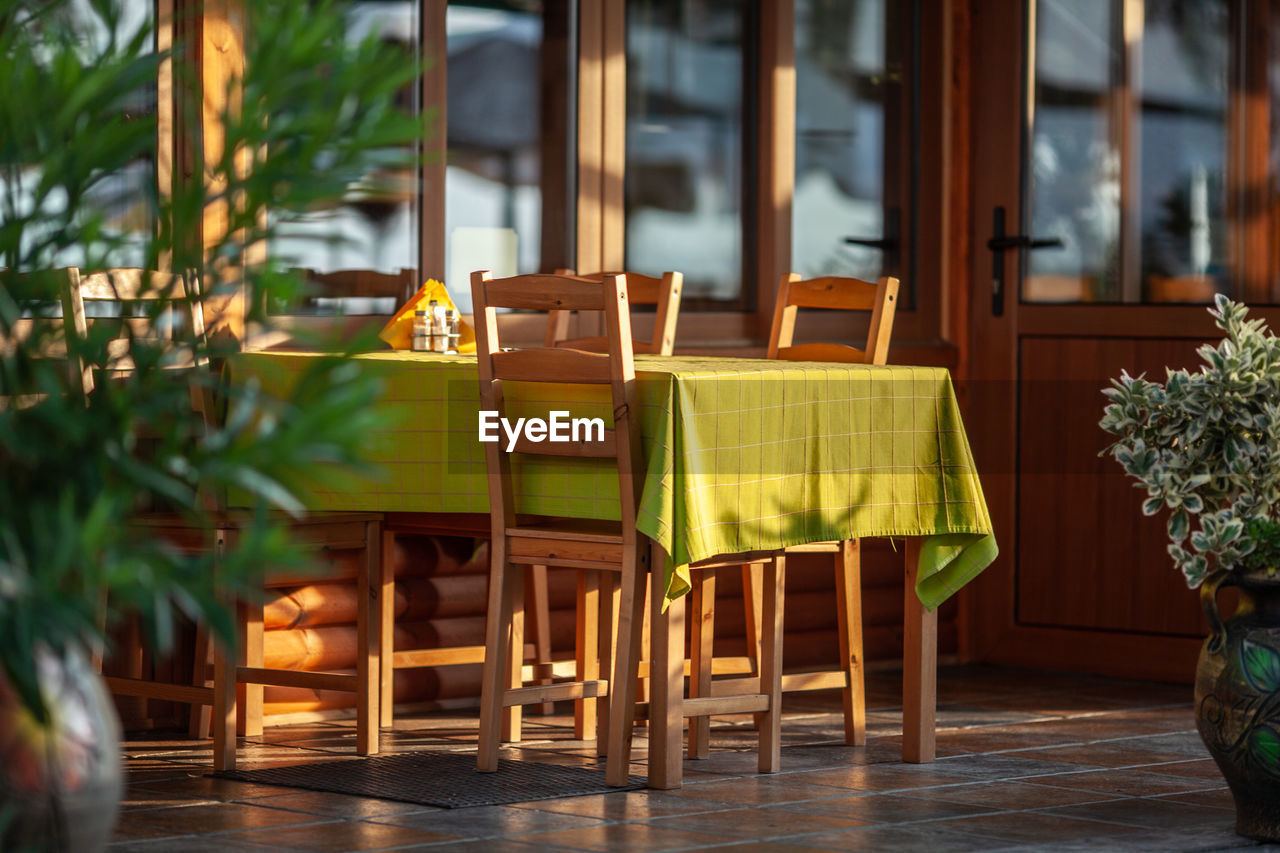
(513, 715)
(625, 666)
(849, 625)
(224, 697)
(771, 665)
(223, 712)
(666, 684)
(701, 656)
(585, 646)
(919, 668)
(368, 637)
(246, 638)
(607, 643)
(540, 614)
(387, 632)
(496, 671)
(201, 715)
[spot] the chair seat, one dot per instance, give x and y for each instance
(572, 529)
(814, 548)
(576, 543)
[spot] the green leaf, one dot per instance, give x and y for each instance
(1264, 748)
(1260, 665)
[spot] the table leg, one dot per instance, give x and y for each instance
(919, 668)
(666, 684)
(387, 630)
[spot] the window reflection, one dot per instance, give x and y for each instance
(373, 234)
(124, 198)
(1129, 150)
(849, 90)
(493, 192)
(684, 199)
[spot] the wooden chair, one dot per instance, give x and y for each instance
(614, 551)
(363, 283)
(848, 294)
(664, 293)
(235, 695)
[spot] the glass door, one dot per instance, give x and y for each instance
(1124, 180)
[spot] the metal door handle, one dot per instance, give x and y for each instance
(884, 244)
(1001, 242)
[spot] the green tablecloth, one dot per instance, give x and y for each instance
(741, 454)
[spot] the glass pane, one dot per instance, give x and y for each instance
(1128, 155)
(684, 142)
(493, 182)
(124, 198)
(376, 245)
(850, 98)
(1183, 151)
(1073, 174)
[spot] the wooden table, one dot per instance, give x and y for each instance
(744, 455)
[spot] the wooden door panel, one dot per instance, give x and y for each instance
(1086, 556)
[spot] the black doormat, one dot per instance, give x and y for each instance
(445, 779)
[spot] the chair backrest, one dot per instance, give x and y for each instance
(134, 295)
(848, 294)
(614, 369)
(41, 336)
(663, 292)
(363, 283)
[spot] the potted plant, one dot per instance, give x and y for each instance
(1206, 447)
(313, 113)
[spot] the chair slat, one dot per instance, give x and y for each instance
(641, 289)
(607, 448)
(833, 292)
(545, 293)
(130, 284)
(840, 353)
(552, 365)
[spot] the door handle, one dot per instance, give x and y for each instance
(884, 244)
(889, 243)
(1001, 242)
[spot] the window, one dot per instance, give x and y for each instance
(687, 109)
(372, 266)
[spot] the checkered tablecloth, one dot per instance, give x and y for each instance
(742, 455)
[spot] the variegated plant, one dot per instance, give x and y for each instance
(1206, 445)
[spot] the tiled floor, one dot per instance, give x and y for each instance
(1027, 761)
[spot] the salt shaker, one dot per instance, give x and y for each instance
(452, 331)
(421, 340)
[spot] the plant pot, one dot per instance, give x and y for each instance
(1238, 698)
(60, 782)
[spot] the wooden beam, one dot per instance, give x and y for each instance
(776, 170)
(435, 140)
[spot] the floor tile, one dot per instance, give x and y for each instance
(1025, 827)
(1006, 795)
(758, 822)
(217, 817)
(624, 838)
(1153, 813)
(887, 808)
(489, 821)
(626, 805)
(916, 838)
(1130, 783)
(346, 835)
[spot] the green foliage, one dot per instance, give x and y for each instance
(1261, 666)
(1206, 446)
(316, 115)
